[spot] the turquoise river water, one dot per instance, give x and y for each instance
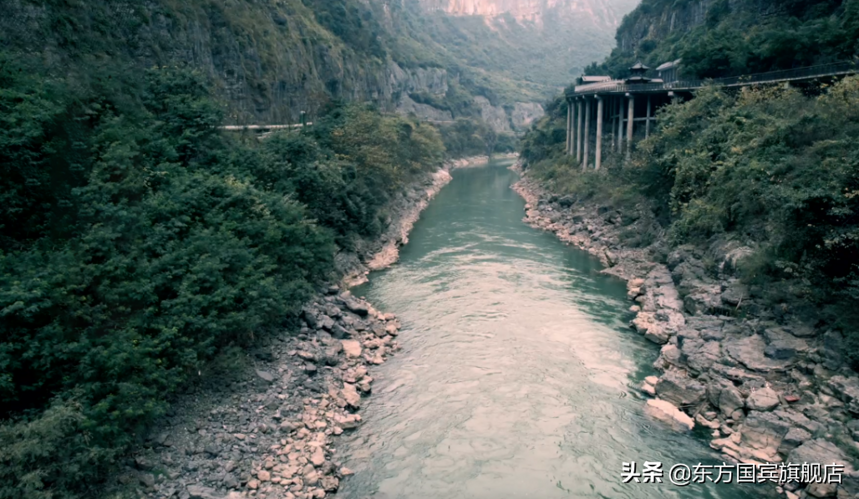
(518, 370)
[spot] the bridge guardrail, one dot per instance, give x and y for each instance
(833, 69)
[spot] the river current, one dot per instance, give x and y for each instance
(518, 373)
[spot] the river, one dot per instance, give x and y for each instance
(518, 370)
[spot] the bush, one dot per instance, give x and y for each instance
(149, 241)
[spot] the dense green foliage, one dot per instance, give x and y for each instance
(772, 166)
(270, 60)
(138, 240)
(775, 169)
(472, 137)
(737, 38)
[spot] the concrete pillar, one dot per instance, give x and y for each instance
(587, 134)
(619, 124)
(630, 126)
(579, 132)
(572, 138)
(599, 132)
(647, 123)
(569, 126)
(612, 106)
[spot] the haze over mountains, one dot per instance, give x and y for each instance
(546, 42)
(605, 12)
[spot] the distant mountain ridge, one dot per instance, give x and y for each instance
(546, 42)
(603, 12)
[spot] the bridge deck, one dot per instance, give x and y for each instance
(619, 87)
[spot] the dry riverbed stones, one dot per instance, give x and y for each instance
(765, 384)
(272, 434)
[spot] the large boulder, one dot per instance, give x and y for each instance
(350, 395)
(847, 390)
(677, 387)
(764, 431)
(354, 305)
(352, 348)
(783, 345)
(734, 294)
(669, 413)
(310, 317)
(702, 297)
(793, 439)
(730, 399)
(833, 350)
(200, 492)
(819, 451)
(325, 322)
(764, 399)
(698, 354)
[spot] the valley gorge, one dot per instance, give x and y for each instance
(350, 303)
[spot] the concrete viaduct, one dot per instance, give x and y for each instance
(626, 105)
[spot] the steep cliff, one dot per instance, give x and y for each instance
(269, 59)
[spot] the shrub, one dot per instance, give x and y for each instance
(172, 242)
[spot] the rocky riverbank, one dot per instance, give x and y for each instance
(265, 425)
(404, 211)
(766, 386)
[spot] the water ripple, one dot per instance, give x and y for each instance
(517, 371)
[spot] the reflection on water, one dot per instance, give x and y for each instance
(517, 374)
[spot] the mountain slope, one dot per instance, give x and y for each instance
(546, 42)
(272, 59)
(724, 38)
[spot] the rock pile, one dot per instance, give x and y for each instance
(769, 387)
(273, 434)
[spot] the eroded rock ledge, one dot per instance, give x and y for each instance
(768, 387)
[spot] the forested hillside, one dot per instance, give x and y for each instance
(269, 60)
(137, 240)
(771, 169)
(717, 38)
